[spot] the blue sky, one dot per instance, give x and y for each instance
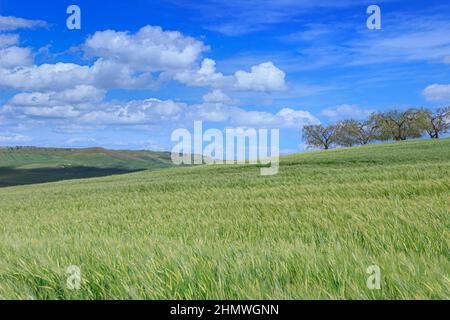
(137, 70)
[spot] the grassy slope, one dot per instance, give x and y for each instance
(36, 165)
(227, 232)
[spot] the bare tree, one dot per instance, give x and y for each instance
(398, 125)
(353, 132)
(320, 136)
(436, 123)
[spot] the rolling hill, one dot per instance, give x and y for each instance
(28, 165)
(225, 232)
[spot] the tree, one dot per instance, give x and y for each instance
(320, 136)
(436, 123)
(353, 132)
(398, 125)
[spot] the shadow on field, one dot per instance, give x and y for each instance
(15, 177)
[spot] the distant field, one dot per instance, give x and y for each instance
(28, 165)
(216, 232)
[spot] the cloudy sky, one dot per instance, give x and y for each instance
(139, 69)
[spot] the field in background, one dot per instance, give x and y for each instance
(29, 165)
(216, 232)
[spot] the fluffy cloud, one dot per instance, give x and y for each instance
(13, 23)
(78, 95)
(218, 112)
(218, 96)
(206, 75)
(154, 112)
(60, 76)
(137, 112)
(72, 96)
(286, 118)
(127, 60)
(12, 57)
(57, 76)
(296, 118)
(53, 104)
(110, 74)
(437, 92)
(263, 77)
(210, 112)
(59, 112)
(150, 49)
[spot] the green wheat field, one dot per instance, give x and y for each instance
(225, 232)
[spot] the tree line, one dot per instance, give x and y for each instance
(391, 125)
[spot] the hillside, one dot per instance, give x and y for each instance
(28, 165)
(220, 232)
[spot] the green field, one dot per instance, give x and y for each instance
(216, 232)
(29, 165)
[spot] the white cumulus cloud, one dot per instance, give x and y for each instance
(76, 96)
(263, 77)
(206, 75)
(150, 49)
(218, 96)
(59, 112)
(437, 92)
(12, 57)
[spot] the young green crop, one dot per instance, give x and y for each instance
(225, 232)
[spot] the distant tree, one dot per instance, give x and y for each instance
(353, 132)
(398, 125)
(435, 123)
(320, 136)
(346, 133)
